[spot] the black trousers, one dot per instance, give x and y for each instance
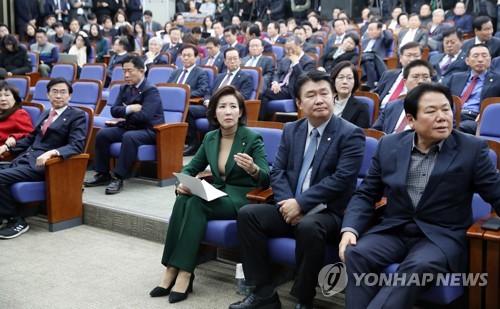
(17, 171)
(373, 252)
(270, 95)
(258, 222)
(194, 112)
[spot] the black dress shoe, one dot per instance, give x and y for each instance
(191, 149)
(176, 297)
(305, 305)
(115, 186)
(99, 179)
(254, 301)
(159, 291)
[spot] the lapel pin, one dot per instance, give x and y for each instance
(243, 143)
(329, 139)
(64, 119)
(491, 79)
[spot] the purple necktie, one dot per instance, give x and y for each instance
(226, 80)
(183, 77)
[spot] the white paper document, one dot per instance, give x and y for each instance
(199, 187)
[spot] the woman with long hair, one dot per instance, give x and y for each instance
(95, 37)
(14, 58)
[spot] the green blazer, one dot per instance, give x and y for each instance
(238, 182)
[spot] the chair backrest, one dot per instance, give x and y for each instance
(117, 73)
(89, 121)
(272, 138)
(316, 59)
(256, 73)
(91, 57)
(86, 93)
(372, 100)
(175, 101)
(64, 70)
(370, 148)
(319, 49)
(94, 71)
(34, 61)
(34, 110)
(391, 51)
(160, 73)
(40, 93)
(278, 50)
(274, 58)
(457, 109)
(211, 72)
(114, 90)
(489, 126)
(22, 84)
(166, 56)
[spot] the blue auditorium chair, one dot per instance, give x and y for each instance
(160, 73)
(40, 93)
(373, 102)
(22, 84)
(87, 93)
(94, 71)
(489, 127)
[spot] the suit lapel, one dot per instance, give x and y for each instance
(349, 109)
(444, 159)
(300, 140)
(325, 143)
(212, 149)
(488, 82)
(403, 163)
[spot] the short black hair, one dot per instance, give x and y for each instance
(212, 40)
(123, 41)
(91, 16)
(135, 60)
(230, 49)
(6, 86)
(212, 105)
(190, 46)
(59, 80)
(40, 30)
(412, 99)
(452, 30)
(339, 67)
(254, 29)
(339, 19)
(148, 13)
(353, 35)
(414, 14)
(57, 24)
(479, 21)
(231, 29)
(196, 30)
(399, 16)
(314, 76)
(306, 23)
(417, 63)
(276, 24)
(410, 45)
(479, 45)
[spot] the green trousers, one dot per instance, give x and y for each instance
(187, 226)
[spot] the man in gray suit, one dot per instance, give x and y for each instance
(149, 23)
(413, 33)
(256, 59)
(80, 9)
(61, 37)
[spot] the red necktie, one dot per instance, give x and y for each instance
(402, 125)
(465, 96)
(47, 123)
(398, 90)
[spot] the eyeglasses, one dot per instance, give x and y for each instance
(233, 58)
(423, 77)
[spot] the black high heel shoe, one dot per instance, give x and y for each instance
(176, 297)
(160, 292)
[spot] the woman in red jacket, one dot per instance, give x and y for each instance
(15, 123)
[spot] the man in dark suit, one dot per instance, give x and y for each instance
(134, 10)
(60, 132)
(235, 77)
(428, 176)
(453, 59)
(392, 118)
(107, 26)
(413, 33)
(80, 10)
(120, 46)
(310, 39)
(62, 37)
(230, 34)
(289, 68)
(150, 24)
(338, 33)
(215, 56)
(26, 12)
(139, 108)
(391, 83)
(375, 47)
(474, 86)
(175, 45)
(483, 30)
(252, 32)
(460, 18)
(310, 194)
(191, 74)
(256, 59)
(103, 8)
(273, 29)
(436, 28)
(300, 32)
(58, 8)
(327, 61)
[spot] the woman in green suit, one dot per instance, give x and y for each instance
(238, 163)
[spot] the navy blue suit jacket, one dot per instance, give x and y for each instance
(385, 83)
(491, 86)
(456, 66)
(443, 212)
(389, 116)
(279, 40)
(306, 64)
(493, 44)
(197, 81)
(218, 62)
(151, 113)
(266, 63)
(463, 22)
(241, 49)
(242, 81)
(51, 7)
(268, 48)
(25, 10)
(66, 134)
(334, 169)
(173, 51)
(437, 34)
(382, 44)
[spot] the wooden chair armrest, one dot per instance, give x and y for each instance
(475, 230)
(260, 195)
(196, 101)
(391, 62)
(34, 77)
(170, 138)
(253, 108)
